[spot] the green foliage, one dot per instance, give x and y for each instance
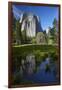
(52, 33)
(33, 41)
(54, 22)
(54, 56)
(26, 49)
(23, 33)
(54, 29)
(18, 30)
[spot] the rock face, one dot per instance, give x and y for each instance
(29, 26)
(30, 23)
(40, 38)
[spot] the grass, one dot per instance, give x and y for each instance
(21, 50)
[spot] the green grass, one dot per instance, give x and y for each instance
(21, 50)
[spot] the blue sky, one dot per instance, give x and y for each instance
(45, 13)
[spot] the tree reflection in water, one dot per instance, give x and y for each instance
(31, 72)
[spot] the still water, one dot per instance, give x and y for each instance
(31, 72)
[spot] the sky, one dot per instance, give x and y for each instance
(46, 13)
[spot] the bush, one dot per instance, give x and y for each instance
(33, 41)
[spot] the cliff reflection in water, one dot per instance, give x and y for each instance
(29, 70)
(28, 66)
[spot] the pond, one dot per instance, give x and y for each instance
(29, 70)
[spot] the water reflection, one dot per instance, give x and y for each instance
(31, 72)
(28, 66)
